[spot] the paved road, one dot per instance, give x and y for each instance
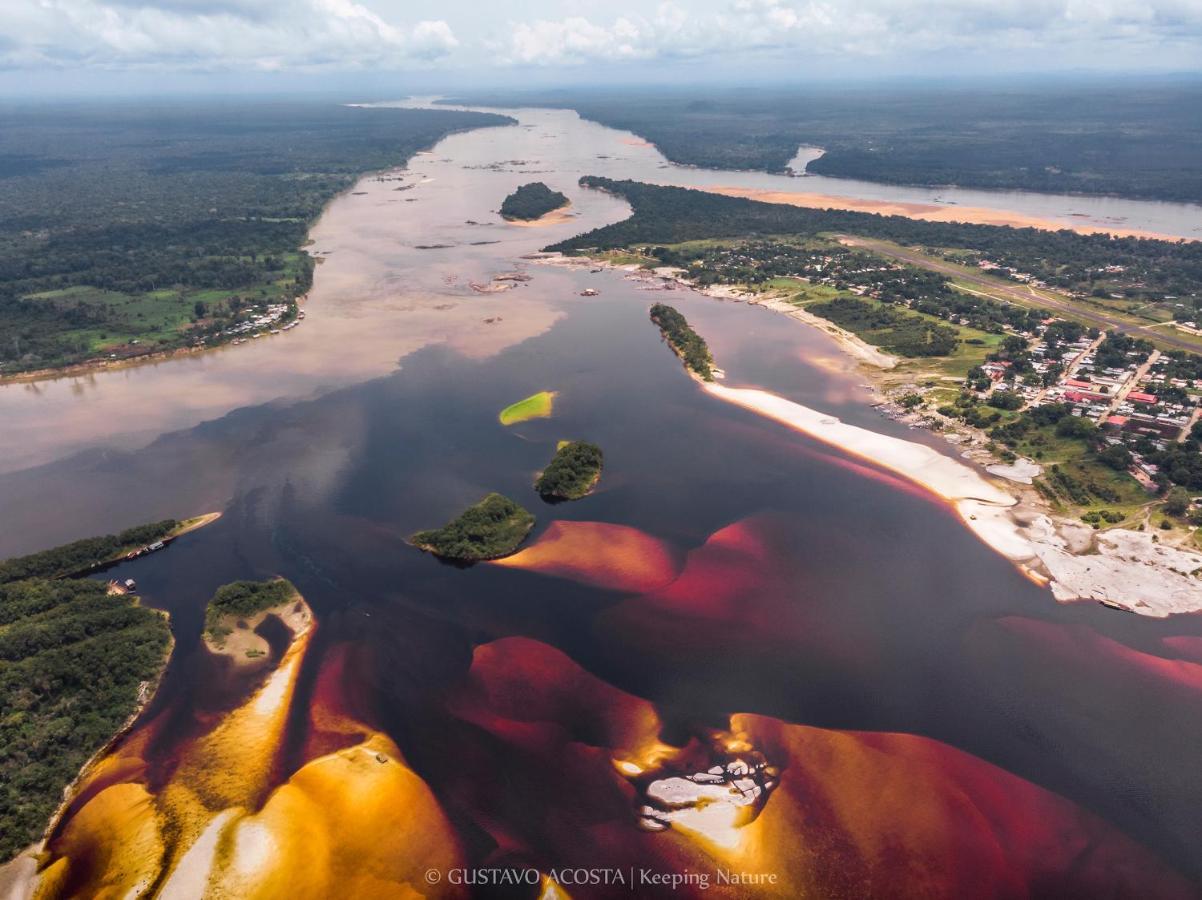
(1131, 383)
(1023, 296)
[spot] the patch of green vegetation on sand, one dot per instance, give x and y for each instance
(572, 473)
(536, 406)
(490, 529)
(242, 599)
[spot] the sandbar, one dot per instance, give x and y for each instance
(930, 212)
(1126, 569)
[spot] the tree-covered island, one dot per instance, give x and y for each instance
(493, 528)
(243, 600)
(572, 473)
(684, 341)
(532, 201)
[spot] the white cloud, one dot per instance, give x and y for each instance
(867, 28)
(796, 35)
(215, 34)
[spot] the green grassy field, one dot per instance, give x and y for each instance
(802, 292)
(150, 209)
(1090, 311)
(1109, 489)
(158, 319)
(536, 406)
(955, 364)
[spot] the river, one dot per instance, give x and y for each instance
(732, 588)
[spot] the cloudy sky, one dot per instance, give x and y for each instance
(48, 44)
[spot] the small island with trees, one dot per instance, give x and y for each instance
(238, 609)
(493, 528)
(573, 472)
(532, 201)
(684, 341)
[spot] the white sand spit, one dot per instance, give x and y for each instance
(1124, 567)
(919, 463)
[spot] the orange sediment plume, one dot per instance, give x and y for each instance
(874, 814)
(617, 557)
(352, 819)
(830, 813)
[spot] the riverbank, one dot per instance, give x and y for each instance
(1123, 568)
(104, 364)
(19, 875)
(930, 212)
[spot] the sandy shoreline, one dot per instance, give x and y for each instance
(852, 344)
(557, 216)
(244, 647)
(929, 212)
(1126, 568)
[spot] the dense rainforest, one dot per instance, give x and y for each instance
(1128, 139)
(126, 228)
(83, 554)
(670, 215)
(72, 662)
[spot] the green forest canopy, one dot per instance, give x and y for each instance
(532, 201)
(125, 221)
(490, 529)
(72, 659)
(1125, 139)
(83, 554)
(888, 327)
(244, 599)
(572, 472)
(684, 341)
(672, 215)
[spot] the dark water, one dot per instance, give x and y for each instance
(865, 605)
(886, 614)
